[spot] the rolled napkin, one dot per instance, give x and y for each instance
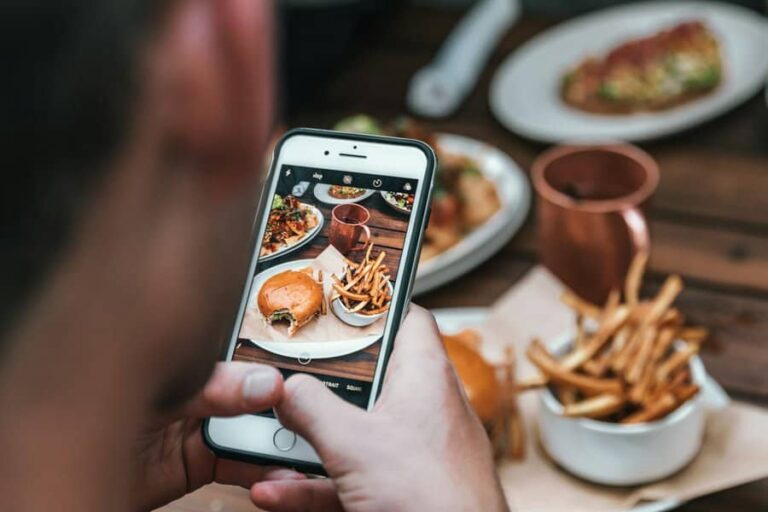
(438, 89)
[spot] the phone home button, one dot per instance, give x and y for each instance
(284, 440)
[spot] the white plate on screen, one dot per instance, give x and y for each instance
(485, 240)
(525, 94)
(304, 241)
(322, 193)
(452, 320)
(303, 349)
(389, 198)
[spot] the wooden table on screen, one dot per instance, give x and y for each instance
(388, 228)
(709, 218)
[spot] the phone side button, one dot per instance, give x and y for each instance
(284, 440)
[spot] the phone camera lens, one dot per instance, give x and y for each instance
(327, 153)
(354, 147)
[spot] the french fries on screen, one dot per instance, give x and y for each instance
(364, 287)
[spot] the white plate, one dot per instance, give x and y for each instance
(309, 236)
(393, 205)
(453, 320)
(322, 195)
(303, 349)
(525, 92)
(485, 240)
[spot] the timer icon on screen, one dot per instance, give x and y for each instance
(377, 183)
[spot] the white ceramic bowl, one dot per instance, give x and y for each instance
(355, 319)
(613, 454)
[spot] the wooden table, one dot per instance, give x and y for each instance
(709, 219)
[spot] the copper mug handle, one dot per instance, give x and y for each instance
(638, 229)
(367, 231)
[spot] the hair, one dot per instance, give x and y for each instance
(65, 97)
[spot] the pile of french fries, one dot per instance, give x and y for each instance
(319, 281)
(364, 287)
(632, 366)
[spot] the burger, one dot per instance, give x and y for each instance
(291, 296)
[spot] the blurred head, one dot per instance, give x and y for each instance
(135, 134)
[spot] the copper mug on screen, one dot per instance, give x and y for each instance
(348, 223)
(590, 222)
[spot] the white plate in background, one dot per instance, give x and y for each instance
(525, 92)
(487, 239)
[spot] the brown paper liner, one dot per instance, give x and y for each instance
(735, 449)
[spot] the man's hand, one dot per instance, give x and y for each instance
(421, 448)
(172, 458)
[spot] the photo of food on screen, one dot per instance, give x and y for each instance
(326, 272)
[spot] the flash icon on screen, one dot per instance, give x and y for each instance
(407, 187)
(347, 179)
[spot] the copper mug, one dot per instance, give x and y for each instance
(348, 223)
(590, 219)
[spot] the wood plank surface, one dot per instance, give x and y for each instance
(729, 259)
(721, 187)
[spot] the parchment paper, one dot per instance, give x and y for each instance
(735, 449)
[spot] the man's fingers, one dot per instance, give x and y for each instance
(199, 462)
(315, 413)
(237, 388)
(231, 472)
(296, 495)
(420, 375)
(419, 361)
(417, 339)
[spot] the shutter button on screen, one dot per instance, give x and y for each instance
(284, 440)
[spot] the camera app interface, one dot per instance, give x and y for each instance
(325, 274)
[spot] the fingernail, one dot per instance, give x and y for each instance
(259, 383)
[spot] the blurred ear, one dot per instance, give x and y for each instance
(213, 61)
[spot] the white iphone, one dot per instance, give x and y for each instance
(341, 224)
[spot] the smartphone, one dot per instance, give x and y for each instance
(341, 222)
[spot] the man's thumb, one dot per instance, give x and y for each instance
(315, 413)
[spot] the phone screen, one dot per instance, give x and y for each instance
(323, 284)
